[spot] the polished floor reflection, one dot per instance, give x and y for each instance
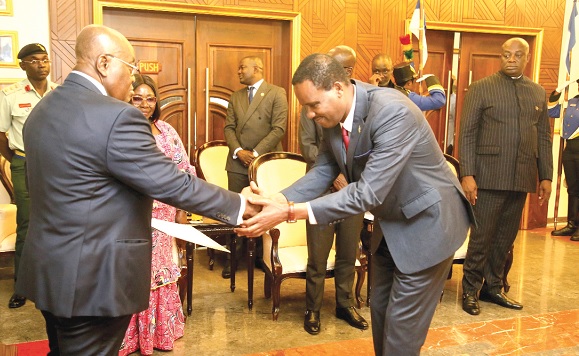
(544, 277)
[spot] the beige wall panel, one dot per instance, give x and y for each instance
(369, 26)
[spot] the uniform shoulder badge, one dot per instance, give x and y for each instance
(12, 88)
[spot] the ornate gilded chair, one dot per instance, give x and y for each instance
(285, 251)
(210, 161)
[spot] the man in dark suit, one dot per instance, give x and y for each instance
(320, 237)
(398, 172)
(93, 172)
(505, 143)
(255, 124)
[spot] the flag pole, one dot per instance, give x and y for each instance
(420, 47)
(571, 44)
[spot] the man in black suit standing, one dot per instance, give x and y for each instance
(505, 142)
(93, 171)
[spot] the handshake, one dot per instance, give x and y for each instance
(263, 213)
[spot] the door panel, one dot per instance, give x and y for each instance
(440, 49)
(221, 45)
(211, 46)
(172, 45)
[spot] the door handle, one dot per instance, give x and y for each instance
(206, 104)
(469, 80)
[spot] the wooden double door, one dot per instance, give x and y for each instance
(458, 63)
(199, 56)
(460, 58)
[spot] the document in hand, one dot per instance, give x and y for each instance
(186, 232)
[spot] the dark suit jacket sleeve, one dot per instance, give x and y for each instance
(231, 123)
(308, 139)
(134, 159)
(469, 122)
(545, 147)
(278, 121)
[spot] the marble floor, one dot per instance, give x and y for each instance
(544, 277)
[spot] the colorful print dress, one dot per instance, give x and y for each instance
(163, 322)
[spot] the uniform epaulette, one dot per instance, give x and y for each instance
(12, 89)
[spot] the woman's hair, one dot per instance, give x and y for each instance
(145, 79)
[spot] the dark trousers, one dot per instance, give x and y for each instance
(571, 166)
(85, 335)
(403, 304)
(320, 239)
(498, 215)
(18, 171)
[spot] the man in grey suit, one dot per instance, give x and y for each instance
(320, 237)
(255, 124)
(398, 172)
(93, 172)
(505, 143)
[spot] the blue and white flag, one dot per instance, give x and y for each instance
(416, 29)
(572, 40)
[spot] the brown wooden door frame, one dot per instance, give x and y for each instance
(294, 18)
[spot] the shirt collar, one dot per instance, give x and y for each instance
(349, 122)
(99, 86)
(256, 85)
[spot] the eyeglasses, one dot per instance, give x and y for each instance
(134, 68)
(137, 100)
(508, 55)
(37, 62)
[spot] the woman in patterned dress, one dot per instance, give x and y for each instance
(163, 322)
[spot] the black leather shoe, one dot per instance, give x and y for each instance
(470, 304)
(312, 322)
(226, 273)
(501, 299)
(568, 230)
(350, 315)
(575, 236)
(16, 301)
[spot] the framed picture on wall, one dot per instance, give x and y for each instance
(8, 49)
(6, 8)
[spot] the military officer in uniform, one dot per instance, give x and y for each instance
(16, 103)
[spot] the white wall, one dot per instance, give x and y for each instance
(30, 20)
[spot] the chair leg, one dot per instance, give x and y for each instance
(182, 284)
(267, 285)
(508, 264)
(359, 282)
(369, 282)
(276, 298)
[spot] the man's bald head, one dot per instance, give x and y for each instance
(346, 56)
(107, 56)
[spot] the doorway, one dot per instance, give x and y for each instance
(198, 54)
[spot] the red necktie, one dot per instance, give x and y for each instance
(345, 137)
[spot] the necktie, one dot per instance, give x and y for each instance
(250, 93)
(345, 137)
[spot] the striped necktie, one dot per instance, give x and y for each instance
(250, 93)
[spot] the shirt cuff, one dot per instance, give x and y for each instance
(241, 209)
(311, 217)
(235, 152)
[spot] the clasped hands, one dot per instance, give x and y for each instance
(262, 213)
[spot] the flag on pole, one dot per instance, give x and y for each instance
(572, 40)
(418, 28)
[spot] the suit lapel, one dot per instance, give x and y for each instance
(358, 125)
(257, 98)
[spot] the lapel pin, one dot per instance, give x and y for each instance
(262, 94)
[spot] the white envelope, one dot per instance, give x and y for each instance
(186, 232)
